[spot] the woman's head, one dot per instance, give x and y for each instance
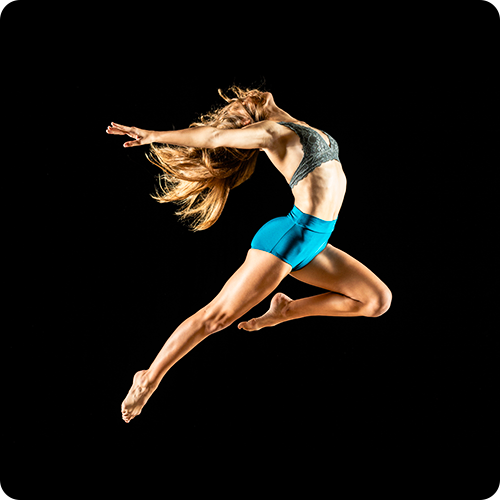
(246, 107)
(200, 179)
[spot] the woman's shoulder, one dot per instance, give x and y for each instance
(281, 138)
(273, 127)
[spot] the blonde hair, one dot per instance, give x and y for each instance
(199, 179)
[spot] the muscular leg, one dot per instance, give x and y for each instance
(259, 275)
(354, 291)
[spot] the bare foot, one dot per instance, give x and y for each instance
(275, 315)
(138, 396)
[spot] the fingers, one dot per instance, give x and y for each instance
(131, 144)
(121, 127)
(114, 131)
(117, 129)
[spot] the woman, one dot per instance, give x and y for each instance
(201, 164)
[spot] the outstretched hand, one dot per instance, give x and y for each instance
(141, 136)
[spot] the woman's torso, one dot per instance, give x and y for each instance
(321, 191)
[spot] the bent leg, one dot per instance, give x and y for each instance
(259, 275)
(354, 290)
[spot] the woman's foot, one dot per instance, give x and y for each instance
(275, 315)
(138, 396)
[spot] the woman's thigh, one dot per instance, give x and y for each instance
(336, 271)
(259, 275)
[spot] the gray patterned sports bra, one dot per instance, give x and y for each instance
(316, 150)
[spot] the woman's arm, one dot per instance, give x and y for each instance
(255, 136)
(201, 137)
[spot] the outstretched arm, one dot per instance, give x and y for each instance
(255, 136)
(201, 137)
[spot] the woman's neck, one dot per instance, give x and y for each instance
(278, 115)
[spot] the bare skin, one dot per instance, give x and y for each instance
(138, 396)
(274, 316)
(351, 289)
(259, 275)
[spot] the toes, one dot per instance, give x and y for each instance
(248, 325)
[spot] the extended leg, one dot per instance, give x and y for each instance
(255, 279)
(355, 291)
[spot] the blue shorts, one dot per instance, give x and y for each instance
(295, 239)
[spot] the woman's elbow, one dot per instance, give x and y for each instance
(214, 138)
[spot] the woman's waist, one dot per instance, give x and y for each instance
(320, 199)
(311, 222)
(327, 210)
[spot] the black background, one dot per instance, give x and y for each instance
(98, 274)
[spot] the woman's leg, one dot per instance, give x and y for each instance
(259, 275)
(354, 291)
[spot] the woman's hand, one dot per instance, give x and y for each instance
(141, 136)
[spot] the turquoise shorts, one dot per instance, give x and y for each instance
(295, 239)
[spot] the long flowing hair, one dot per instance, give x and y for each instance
(199, 179)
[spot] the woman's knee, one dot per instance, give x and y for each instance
(216, 319)
(379, 303)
